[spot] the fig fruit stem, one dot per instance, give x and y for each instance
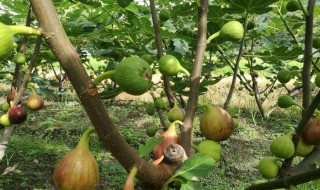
(129, 185)
(103, 76)
(185, 71)
(33, 91)
(213, 36)
(17, 29)
(195, 147)
(84, 140)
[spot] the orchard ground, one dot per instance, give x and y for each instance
(48, 134)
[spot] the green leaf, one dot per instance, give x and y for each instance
(144, 150)
(197, 166)
(190, 185)
(283, 53)
(251, 6)
(144, 24)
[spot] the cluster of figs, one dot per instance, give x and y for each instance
(16, 114)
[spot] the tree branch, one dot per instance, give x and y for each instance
(186, 130)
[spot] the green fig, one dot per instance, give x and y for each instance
(19, 58)
(151, 110)
(159, 103)
(268, 167)
(5, 106)
(4, 120)
(164, 15)
(151, 131)
(175, 113)
(216, 124)
(6, 37)
(251, 25)
(283, 147)
(163, 94)
(232, 31)
(148, 58)
(284, 76)
(133, 75)
(169, 65)
(210, 148)
(285, 101)
(316, 43)
(293, 6)
(303, 149)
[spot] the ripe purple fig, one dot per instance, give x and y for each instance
(35, 102)
(12, 95)
(17, 114)
(78, 169)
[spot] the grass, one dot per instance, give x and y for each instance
(48, 134)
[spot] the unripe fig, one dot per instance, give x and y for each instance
(216, 124)
(163, 94)
(35, 102)
(285, 101)
(133, 75)
(170, 137)
(232, 31)
(316, 43)
(164, 15)
(283, 147)
(151, 131)
(19, 58)
(268, 167)
(5, 106)
(6, 37)
(4, 120)
(311, 133)
(148, 58)
(251, 25)
(293, 6)
(284, 76)
(159, 103)
(151, 110)
(303, 149)
(210, 148)
(17, 114)
(175, 113)
(169, 65)
(78, 169)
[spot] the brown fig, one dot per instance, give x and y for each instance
(78, 169)
(17, 114)
(35, 102)
(311, 133)
(216, 124)
(170, 137)
(12, 95)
